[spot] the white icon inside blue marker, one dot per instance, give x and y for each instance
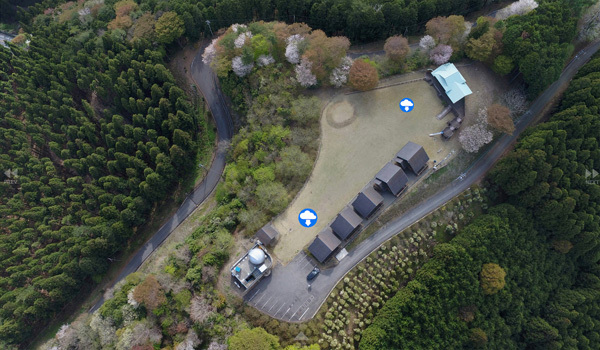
(307, 217)
(407, 105)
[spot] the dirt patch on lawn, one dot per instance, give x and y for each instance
(340, 114)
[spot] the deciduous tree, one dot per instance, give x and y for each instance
(253, 339)
(492, 278)
(149, 293)
(396, 48)
(169, 27)
(427, 43)
(498, 117)
(144, 27)
(304, 74)
(363, 76)
(441, 54)
(473, 137)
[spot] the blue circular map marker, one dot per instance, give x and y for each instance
(307, 217)
(406, 105)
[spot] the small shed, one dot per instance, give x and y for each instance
(324, 245)
(346, 223)
(412, 156)
(453, 125)
(267, 234)
(392, 178)
(367, 202)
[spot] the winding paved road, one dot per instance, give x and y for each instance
(285, 295)
(209, 87)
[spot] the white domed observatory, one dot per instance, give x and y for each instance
(257, 256)
(251, 267)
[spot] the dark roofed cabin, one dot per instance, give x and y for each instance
(367, 202)
(392, 178)
(324, 245)
(346, 223)
(267, 234)
(412, 156)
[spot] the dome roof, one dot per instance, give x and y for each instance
(257, 256)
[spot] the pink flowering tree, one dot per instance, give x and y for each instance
(304, 74)
(518, 8)
(292, 52)
(265, 60)
(427, 43)
(473, 137)
(210, 52)
(240, 68)
(235, 27)
(339, 75)
(241, 39)
(440, 54)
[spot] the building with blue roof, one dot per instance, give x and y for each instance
(452, 82)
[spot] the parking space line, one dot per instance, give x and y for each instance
(307, 262)
(296, 312)
(273, 306)
(262, 296)
(288, 310)
(300, 319)
(282, 305)
(249, 300)
(266, 302)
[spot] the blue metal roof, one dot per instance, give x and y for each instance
(452, 81)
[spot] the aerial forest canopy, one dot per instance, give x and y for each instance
(359, 20)
(525, 275)
(94, 132)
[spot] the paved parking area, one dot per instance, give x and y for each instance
(285, 294)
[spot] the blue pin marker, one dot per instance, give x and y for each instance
(307, 217)
(406, 105)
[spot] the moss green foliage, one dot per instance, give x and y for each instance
(544, 233)
(169, 27)
(97, 133)
(253, 339)
(492, 278)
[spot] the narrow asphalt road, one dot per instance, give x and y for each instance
(286, 296)
(208, 85)
(5, 37)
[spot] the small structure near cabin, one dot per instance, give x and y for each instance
(453, 125)
(367, 202)
(324, 245)
(346, 223)
(391, 178)
(412, 156)
(251, 267)
(267, 234)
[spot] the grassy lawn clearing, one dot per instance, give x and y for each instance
(360, 133)
(363, 131)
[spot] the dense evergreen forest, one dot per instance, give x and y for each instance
(525, 275)
(94, 132)
(359, 20)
